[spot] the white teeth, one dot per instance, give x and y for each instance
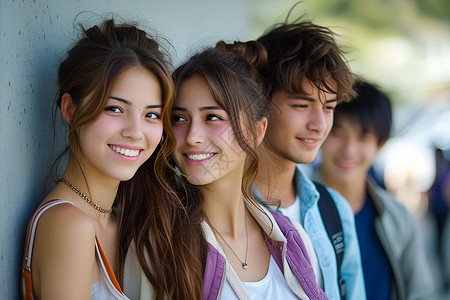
(199, 156)
(126, 152)
(309, 140)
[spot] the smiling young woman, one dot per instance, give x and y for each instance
(207, 149)
(114, 87)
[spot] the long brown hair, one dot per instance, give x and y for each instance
(162, 230)
(162, 226)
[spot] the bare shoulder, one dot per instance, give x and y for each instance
(66, 219)
(63, 231)
(63, 253)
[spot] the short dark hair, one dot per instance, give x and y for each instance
(371, 108)
(303, 50)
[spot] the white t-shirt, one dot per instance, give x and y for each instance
(293, 211)
(272, 286)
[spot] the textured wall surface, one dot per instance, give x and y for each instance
(33, 38)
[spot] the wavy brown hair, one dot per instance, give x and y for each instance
(303, 50)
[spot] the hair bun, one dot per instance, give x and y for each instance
(252, 52)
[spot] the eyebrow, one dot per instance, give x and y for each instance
(310, 99)
(203, 108)
(180, 108)
(129, 103)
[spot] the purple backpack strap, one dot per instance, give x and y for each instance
(214, 272)
(297, 257)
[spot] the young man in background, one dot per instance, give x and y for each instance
(393, 257)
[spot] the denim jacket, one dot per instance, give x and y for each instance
(351, 268)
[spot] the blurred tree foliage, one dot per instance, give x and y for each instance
(380, 16)
(381, 12)
(438, 9)
(400, 44)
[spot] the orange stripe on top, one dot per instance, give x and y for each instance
(108, 267)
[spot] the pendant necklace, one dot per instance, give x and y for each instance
(243, 263)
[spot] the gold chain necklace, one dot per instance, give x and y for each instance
(85, 198)
(243, 263)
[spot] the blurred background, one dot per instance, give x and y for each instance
(401, 45)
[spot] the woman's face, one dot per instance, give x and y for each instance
(206, 149)
(129, 128)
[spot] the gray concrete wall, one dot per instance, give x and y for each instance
(33, 38)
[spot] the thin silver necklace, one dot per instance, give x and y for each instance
(243, 263)
(85, 198)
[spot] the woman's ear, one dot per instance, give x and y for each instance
(67, 107)
(261, 127)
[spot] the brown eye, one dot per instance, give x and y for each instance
(153, 115)
(114, 109)
(213, 117)
(178, 118)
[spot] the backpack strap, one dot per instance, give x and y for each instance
(333, 225)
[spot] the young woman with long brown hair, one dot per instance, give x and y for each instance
(224, 244)
(114, 89)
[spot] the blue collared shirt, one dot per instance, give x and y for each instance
(351, 268)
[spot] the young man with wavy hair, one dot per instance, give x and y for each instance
(305, 78)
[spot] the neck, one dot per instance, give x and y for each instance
(99, 188)
(354, 192)
(275, 181)
(224, 206)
